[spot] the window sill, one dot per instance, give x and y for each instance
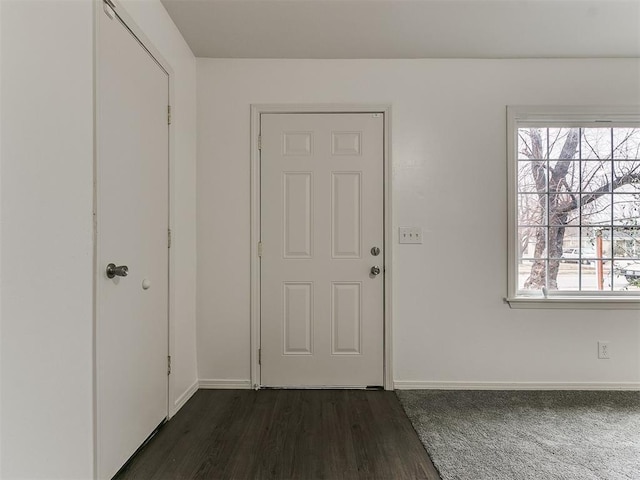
(576, 303)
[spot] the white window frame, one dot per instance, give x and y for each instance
(545, 116)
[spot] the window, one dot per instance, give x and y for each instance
(574, 226)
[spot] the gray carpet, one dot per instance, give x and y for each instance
(509, 435)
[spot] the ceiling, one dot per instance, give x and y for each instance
(408, 28)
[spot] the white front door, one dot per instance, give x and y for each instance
(132, 222)
(322, 213)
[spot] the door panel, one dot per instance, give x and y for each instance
(298, 318)
(346, 320)
(298, 206)
(132, 219)
(322, 211)
(346, 225)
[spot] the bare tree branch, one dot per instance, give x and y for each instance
(605, 189)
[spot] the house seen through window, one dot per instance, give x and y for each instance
(578, 208)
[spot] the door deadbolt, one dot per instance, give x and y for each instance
(113, 271)
(375, 251)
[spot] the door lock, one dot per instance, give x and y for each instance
(113, 271)
(375, 270)
(375, 251)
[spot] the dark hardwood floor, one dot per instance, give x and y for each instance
(285, 434)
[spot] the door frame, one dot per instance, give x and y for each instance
(146, 43)
(256, 111)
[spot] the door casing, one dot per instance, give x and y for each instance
(256, 111)
(146, 43)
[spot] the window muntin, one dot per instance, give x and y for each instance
(577, 208)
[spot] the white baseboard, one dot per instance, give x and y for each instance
(225, 384)
(184, 398)
(420, 385)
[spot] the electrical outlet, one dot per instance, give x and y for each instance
(410, 234)
(603, 351)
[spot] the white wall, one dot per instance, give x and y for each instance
(154, 21)
(46, 247)
(0, 240)
(448, 132)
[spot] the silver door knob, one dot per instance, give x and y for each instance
(113, 271)
(375, 270)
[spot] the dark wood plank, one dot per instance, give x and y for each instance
(285, 434)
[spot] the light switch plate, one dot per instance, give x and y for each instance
(410, 234)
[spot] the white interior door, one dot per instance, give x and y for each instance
(322, 212)
(132, 226)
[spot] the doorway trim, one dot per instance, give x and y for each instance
(147, 44)
(256, 111)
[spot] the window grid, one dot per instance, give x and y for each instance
(580, 195)
(580, 243)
